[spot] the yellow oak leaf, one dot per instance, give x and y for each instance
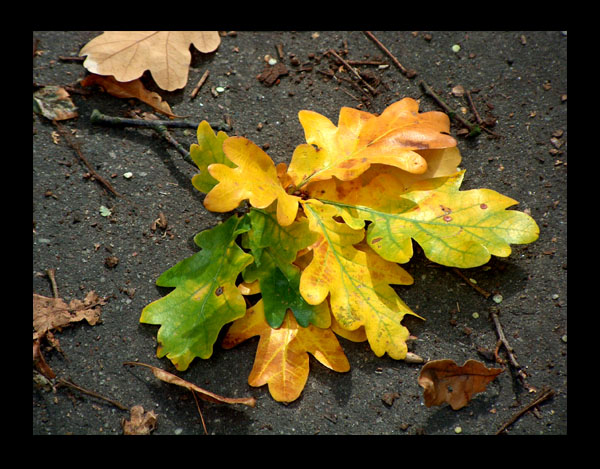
(357, 280)
(126, 55)
(255, 178)
(282, 355)
(395, 138)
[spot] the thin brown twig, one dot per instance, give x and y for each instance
(472, 104)
(352, 70)
(90, 393)
(199, 85)
(474, 129)
(470, 283)
(509, 350)
(409, 73)
(546, 394)
(75, 147)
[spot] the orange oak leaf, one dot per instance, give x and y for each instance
(445, 381)
(126, 55)
(282, 355)
(129, 89)
(393, 138)
(255, 178)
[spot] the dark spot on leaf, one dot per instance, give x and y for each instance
(219, 291)
(376, 240)
(447, 218)
(483, 206)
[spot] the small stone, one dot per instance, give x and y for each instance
(455, 48)
(457, 430)
(128, 175)
(497, 298)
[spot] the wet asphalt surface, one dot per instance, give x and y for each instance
(518, 79)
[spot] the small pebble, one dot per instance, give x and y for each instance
(457, 430)
(564, 338)
(497, 298)
(455, 48)
(128, 175)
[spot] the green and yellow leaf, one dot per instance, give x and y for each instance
(361, 139)
(205, 297)
(255, 178)
(357, 281)
(282, 359)
(207, 151)
(455, 228)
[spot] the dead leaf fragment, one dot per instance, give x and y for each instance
(54, 313)
(129, 89)
(54, 103)
(126, 55)
(202, 393)
(141, 422)
(445, 381)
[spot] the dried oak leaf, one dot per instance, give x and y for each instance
(54, 313)
(126, 55)
(445, 381)
(129, 89)
(141, 423)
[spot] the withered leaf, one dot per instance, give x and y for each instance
(129, 89)
(445, 381)
(54, 313)
(141, 422)
(202, 393)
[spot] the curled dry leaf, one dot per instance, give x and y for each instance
(141, 422)
(202, 393)
(126, 55)
(445, 381)
(129, 89)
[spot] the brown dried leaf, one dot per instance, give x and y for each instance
(129, 89)
(445, 381)
(141, 423)
(126, 55)
(203, 393)
(54, 313)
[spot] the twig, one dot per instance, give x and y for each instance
(98, 118)
(509, 350)
(91, 393)
(409, 73)
(351, 69)
(470, 283)
(75, 147)
(50, 273)
(474, 129)
(472, 104)
(546, 394)
(199, 85)
(158, 126)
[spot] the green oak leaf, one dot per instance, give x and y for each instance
(275, 248)
(207, 151)
(205, 296)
